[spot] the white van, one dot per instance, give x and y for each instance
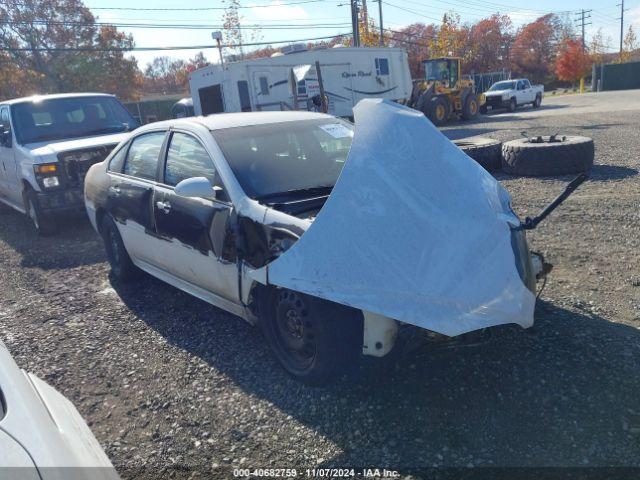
(348, 76)
(47, 144)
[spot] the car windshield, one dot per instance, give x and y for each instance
(288, 157)
(503, 86)
(63, 118)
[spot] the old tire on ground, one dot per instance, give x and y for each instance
(313, 339)
(439, 110)
(471, 107)
(122, 268)
(573, 155)
(43, 224)
(485, 151)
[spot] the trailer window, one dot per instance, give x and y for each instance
(264, 86)
(243, 93)
(302, 87)
(382, 66)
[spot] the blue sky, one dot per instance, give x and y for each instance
(334, 15)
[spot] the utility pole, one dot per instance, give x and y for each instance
(354, 22)
(622, 10)
(581, 20)
(381, 27)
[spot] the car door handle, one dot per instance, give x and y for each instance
(164, 207)
(115, 191)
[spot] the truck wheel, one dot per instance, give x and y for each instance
(538, 101)
(483, 109)
(570, 155)
(122, 268)
(471, 107)
(513, 104)
(439, 110)
(44, 225)
(313, 339)
(485, 151)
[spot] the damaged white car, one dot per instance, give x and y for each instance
(327, 240)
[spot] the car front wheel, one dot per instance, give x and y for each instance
(122, 268)
(313, 339)
(43, 225)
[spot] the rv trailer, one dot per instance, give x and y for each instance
(348, 76)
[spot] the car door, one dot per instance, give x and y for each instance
(530, 95)
(7, 159)
(196, 231)
(132, 176)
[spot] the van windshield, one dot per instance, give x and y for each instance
(503, 86)
(288, 157)
(63, 118)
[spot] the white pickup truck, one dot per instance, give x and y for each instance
(511, 94)
(47, 144)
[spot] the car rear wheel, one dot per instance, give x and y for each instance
(122, 268)
(43, 225)
(313, 339)
(538, 101)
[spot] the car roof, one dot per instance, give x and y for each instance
(219, 121)
(54, 96)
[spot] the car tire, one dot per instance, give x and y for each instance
(122, 268)
(572, 155)
(471, 107)
(537, 102)
(486, 151)
(313, 339)
(513, 104)
(44, 225)
(439, 110)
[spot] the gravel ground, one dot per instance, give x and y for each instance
(170, 385)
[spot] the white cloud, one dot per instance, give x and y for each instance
(522, 17)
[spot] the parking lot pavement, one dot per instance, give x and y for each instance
(166, 381)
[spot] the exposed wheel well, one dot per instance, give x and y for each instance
(100, 213)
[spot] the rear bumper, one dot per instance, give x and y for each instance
(62, 202)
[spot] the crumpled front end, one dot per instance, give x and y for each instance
(414, 230)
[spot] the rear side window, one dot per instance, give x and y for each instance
(117, 161)
(187, 158)
(142, 159)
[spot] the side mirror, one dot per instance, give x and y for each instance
(196, 187)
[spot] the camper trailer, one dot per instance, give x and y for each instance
(348, 75)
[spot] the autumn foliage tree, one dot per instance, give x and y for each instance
(534, 48)
(56, 46)
(573, 61)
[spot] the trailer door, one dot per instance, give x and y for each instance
(265, 98)
(211, 99)
(338, 86)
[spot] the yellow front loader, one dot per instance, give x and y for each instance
(445, 93)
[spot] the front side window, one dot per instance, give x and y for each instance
(382, 66)
(70, 117)
(286, 157)
(187, 158)
(142, 159)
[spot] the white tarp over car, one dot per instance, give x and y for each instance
(414, 230)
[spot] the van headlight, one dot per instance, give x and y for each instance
(50, 182)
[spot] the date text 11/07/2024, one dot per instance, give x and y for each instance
(316, 473)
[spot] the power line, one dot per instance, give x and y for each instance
(198, 9)
(150, 49)
(171, 26)
(583, 15)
